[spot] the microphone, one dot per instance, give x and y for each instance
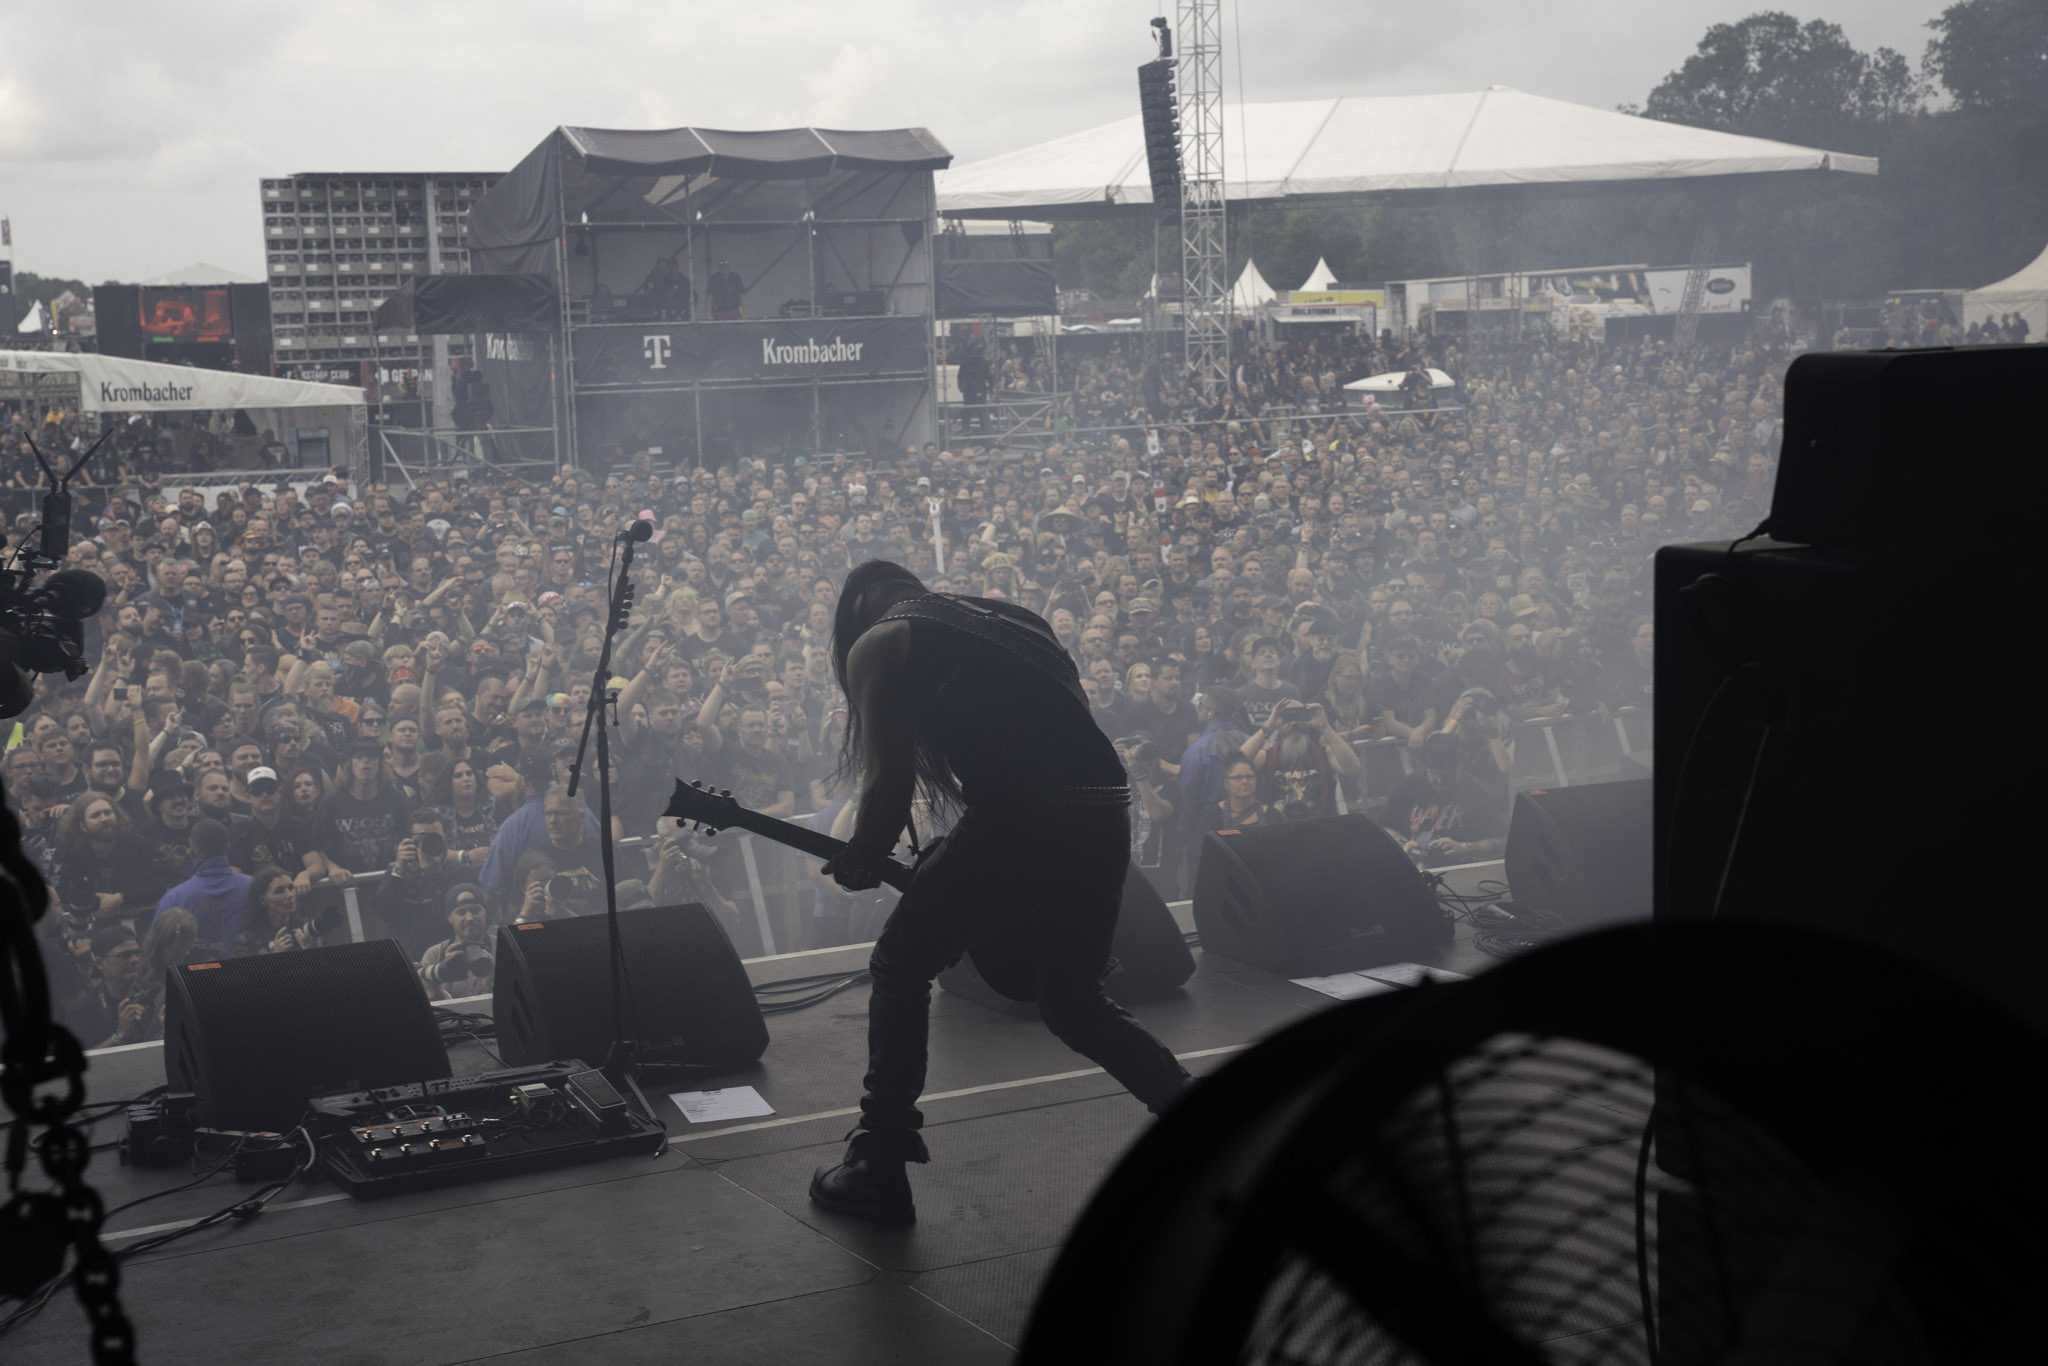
(68, 594)
(639, 530)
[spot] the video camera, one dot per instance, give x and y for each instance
(41, 628)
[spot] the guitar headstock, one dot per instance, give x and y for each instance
(709, 809)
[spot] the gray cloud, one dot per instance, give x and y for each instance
(132, 135)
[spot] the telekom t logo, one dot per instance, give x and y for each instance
(656, 349)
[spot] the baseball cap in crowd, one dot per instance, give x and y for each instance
(1143, 605)
(548, 599)
(531, 704)
(363, 745)
(1522, 605)
(1323, 620)
(557, 699)
(262, 778)
(923, 482)
(403, 675)
(1258, 643)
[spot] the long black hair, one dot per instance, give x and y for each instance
(871, 590)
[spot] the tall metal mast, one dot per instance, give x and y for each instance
(1204, 242)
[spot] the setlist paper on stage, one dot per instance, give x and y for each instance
(1350, 986)
(734, 1102)
(1346, 986)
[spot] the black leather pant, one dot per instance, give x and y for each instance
(1059, 866)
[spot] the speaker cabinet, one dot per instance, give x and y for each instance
(254, 1038)
(1583, 852)
(690, 999)
(1311, 898)
(1151, 955)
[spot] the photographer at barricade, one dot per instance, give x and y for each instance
(121, 1007)
(1300, 759)
(461, 965)
(414, 900)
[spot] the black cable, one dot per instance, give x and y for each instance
(1642, 1231)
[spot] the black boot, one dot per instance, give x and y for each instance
(871, 1184)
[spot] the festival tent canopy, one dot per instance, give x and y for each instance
(2024, 293)
(1392, 380)
(113, 384)
(1322, 277)
(1357, 145)
(1251, 292)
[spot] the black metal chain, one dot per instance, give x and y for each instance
(38, 1051)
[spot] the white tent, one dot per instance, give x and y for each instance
(111, 384)
(200, 273)
(1370, 144)
(36, 320)
(2025, 293)
(1251, 292)
(1322, 277)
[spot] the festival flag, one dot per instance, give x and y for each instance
(6, 232)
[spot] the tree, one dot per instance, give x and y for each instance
(1771, 76)
(1993, 54)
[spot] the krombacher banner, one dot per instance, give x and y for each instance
(647, 354)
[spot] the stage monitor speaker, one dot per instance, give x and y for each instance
(1151, 955)
(1312, 898)
(254, 1038)
(1583, 852)
(691, 1000)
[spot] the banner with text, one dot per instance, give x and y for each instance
(639, 355)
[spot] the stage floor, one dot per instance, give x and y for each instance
(709, 1251)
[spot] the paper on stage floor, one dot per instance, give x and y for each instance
(1349, 986)
(734, 1102)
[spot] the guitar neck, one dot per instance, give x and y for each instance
(808, 841)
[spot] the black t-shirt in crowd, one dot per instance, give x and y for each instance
(1408, 701)
(360, 833)
(252, 845)
(756, 780)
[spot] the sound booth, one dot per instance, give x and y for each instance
(1313, 898)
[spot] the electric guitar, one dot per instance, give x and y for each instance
(711, 811)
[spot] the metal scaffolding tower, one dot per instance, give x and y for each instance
(1703, 248)
(1204, 242)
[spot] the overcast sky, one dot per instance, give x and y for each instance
(133, 135)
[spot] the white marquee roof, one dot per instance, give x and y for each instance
(1322, 277)
(1251, 291)
(2030, 282)
(112, 384)
(1366, 144)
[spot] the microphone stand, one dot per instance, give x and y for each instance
(620, 1062)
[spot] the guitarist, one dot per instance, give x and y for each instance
(1030, 877)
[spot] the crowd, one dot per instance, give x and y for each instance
(299, 685)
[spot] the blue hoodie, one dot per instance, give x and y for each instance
(215, 895)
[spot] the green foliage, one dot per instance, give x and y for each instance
(1993, 55)
(1771, 76)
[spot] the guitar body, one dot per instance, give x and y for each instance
(1009, 899)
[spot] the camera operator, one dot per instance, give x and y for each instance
(1155, 843)
(415, 899)
(1300, 759)
(120, 1009)
(461, 965)
(680, 875)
